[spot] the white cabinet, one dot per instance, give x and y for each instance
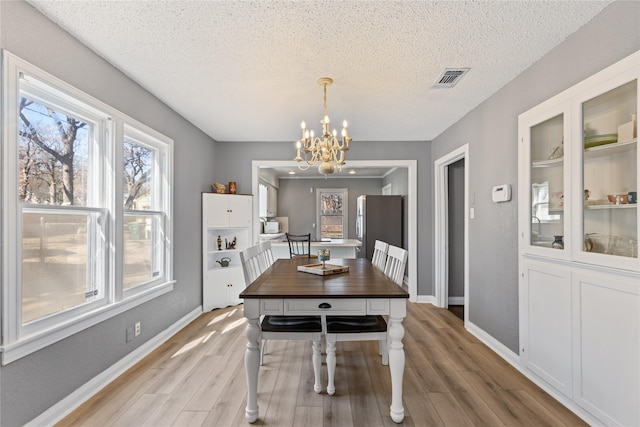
(226, 231)
(226, 210)
(578, 232)
(272, 201)
(222, 287)
(546, 344)
(608, 342)
(267, 200)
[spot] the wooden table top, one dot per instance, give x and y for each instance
(283, 280)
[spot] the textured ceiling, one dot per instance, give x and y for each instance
(247, 71)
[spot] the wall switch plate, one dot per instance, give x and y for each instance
(472, 213)
(137, 328)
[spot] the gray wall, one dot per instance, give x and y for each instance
(34, 383)
(491, 132)
(296, 201)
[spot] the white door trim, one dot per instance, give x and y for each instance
(441, 272)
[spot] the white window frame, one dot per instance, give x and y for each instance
(146, 136)
(20, 340)
(345, 210)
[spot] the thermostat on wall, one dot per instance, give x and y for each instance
(501, 193)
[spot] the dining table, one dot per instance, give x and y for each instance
(282, 289)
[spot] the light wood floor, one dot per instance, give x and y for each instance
(197, 379)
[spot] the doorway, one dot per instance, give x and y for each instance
(412, 206)
(451, 250)
(455, 219)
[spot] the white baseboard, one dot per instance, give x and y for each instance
(493, 344)
(456, 300)
(426, 299)
(514, 360)
(63, 408)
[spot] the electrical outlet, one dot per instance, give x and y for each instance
(137, 328)
(129, 333)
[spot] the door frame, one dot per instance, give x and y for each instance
(412, 206)
(441, 253)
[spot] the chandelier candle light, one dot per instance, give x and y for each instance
(326, 151)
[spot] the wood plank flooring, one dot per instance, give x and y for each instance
(197, 379)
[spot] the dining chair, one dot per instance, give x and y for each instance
(250, 260)
(353, 328)
(379, 257)
(307, 328)
(299, 244)
(266, 255)
(396, 263)
(363, 328)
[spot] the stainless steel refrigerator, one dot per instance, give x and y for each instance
(378, 218)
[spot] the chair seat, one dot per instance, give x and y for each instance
(350, 324)
(291, 324)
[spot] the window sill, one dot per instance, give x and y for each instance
(33, 343)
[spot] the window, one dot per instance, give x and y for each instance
(74, 255)
(331, 208)
(144, 219)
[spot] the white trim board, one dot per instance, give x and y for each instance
(441, 250)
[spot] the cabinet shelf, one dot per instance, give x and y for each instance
(611, 206)
(222, 251)
(547, 163)
(609, 149)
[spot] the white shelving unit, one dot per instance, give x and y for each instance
(579, 304)
(225, 217)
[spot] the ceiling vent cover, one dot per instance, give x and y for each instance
(450, 77)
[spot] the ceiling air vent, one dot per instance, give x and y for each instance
(450, 77)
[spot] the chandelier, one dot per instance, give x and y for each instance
(326, 150)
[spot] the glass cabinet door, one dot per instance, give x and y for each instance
(546, 197)
(610, 172)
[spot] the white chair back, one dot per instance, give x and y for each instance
(250, 259)
(379, 258)
(266, 256)
(396, 262)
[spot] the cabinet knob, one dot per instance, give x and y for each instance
(324, 305)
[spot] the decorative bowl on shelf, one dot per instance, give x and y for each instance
(618, 199)
(218, 188)
(596, 140)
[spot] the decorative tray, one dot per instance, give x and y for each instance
(323, 271)
(597, 140)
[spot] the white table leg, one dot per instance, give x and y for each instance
(317, 365)
(252, 365)
(396, 366)
(331, 363)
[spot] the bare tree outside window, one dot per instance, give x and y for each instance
(140, 257)
(53, 150)
(331, 212)
(138, 161)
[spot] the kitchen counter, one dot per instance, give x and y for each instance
(340, 248)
